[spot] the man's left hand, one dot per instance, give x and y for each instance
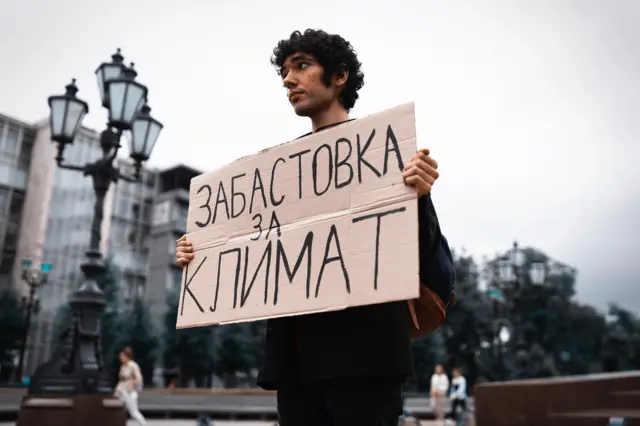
(421, 172)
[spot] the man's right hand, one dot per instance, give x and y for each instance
(184, 252)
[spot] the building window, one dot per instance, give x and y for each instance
(149, 180)
(161, 213)
(11, 143)
(16, 203)
(4, 199)
(25, 155)
(123, 208)
(6, 266)
(146, 211)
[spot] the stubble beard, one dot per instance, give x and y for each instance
(312, 107)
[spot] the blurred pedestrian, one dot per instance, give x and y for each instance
(129, 385)
(439, 389)
(458, 393)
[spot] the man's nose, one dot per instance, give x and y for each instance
(290, 82)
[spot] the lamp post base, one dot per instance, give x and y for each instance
(76, 367)
(79, 410)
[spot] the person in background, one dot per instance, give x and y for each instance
(458, 393)
(439, 389)
(129, 384)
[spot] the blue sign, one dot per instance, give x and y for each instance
(495, 293)
(46, 267)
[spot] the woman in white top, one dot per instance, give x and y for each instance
(129, 384)
(439, 388)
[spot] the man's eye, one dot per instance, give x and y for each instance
(303, 65)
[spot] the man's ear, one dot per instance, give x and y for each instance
(340, 77)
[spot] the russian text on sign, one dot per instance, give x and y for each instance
(317, 224)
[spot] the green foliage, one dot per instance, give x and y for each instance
(468, 322)
(235, 350)
(111, 321)
(625, 328)
(257, 338)
(189, 350)
(201, 351)
(428, 351)
(12, 323)
(137, 331)
(551, 333)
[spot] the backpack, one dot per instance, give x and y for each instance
(428, 312)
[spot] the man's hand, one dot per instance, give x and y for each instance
(184, 252)
(421, 172)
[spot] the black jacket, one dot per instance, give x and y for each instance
(369, 340)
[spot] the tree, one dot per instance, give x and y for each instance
(190, 350)
(551, 333)
(12, 324)
(257, 339)
(427, 351)
(468, 322)
(623, 338)
(111, 320)
(575, 337)
(137, 331)
(235, 352)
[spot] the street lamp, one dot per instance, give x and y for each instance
(507, 295)
(35, 278)
(80, 370)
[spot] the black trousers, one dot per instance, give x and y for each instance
(341, 402)
(462, 403)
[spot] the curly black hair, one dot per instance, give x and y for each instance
(332, 52)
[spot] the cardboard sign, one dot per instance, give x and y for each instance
(318, 224)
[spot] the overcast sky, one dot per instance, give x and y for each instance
(531, 107)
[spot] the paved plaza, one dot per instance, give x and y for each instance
(192, 422)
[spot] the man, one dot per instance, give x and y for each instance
(458, 393)
(345, 367)
(439, 389)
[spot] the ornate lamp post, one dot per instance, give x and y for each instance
(35, 278)
(507, 295)
(78, 368)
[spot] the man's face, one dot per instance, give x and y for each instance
(303, 76)
(438, 369)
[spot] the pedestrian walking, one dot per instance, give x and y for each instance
(129, 385)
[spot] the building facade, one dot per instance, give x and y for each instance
(169, 223)
(16, 146)
(46, 214)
